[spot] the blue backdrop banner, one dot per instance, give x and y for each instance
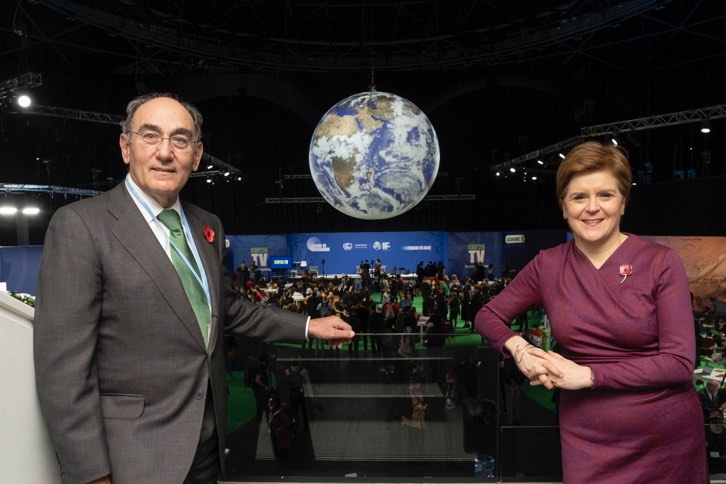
(514, 248)
(342, 253)
(257, 248)
(19, 267)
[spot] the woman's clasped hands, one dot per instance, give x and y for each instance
(547, 367)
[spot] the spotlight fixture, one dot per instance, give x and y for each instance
(8, 210)
(498, 174)
(540, 162)
(209, 180)
(24, 101)
(614, 141)
(18, 87)
(31, 211)
(209, 167)
(513, 169)
(561, 156)
(705, 126)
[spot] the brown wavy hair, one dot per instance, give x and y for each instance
(590, 157)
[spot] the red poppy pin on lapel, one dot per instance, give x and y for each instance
(209, 234)
(625, 271)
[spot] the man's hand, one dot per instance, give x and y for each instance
(331, 328)
(103, 480)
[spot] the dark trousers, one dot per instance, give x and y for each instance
(205, 467)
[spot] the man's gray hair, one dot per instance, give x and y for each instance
(138, 101)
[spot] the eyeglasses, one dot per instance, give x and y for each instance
(152, 139)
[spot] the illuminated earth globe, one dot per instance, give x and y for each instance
(374, 155)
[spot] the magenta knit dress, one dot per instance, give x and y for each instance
(642, 422)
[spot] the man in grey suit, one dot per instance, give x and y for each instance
(130, 367)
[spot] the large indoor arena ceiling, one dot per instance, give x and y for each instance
(498, 79)
(170, 36)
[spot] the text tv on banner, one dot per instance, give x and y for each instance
(515, 249)
(258, 248)
(343, 253)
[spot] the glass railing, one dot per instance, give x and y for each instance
(447, 409)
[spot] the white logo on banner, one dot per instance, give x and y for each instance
(347, 246)
(514, 239)
(381, 245)
(315, 245)
(416, 247)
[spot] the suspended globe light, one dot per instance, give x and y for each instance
(374, 155)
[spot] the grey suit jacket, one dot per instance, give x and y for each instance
(121, 368)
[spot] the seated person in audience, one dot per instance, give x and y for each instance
(712, 398)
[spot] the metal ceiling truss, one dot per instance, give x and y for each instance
(637, 124)
(328, 36)
(659, 121)
(105, 118)
(28, 80)
(76, 114)
(16, 188)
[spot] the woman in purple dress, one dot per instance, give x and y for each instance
(620, 311)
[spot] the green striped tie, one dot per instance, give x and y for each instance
(194, 290)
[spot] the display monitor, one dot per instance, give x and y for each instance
(280, 262)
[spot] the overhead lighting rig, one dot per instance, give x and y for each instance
(699, 115)
(14, 88)
(225, 169)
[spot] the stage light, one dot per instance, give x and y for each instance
(31, 211)
(239, 178)
(513, 169)
(24, 101)
(534, 178)
(540, 162)
(497, 174)
(614, 141)
(209, 180)
(561, 156)
(209, 167)
(8, 210)
(226, 173)
(705, 126)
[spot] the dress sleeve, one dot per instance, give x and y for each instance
(674, 362)
(492, 320)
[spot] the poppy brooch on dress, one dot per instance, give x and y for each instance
(625, 271)
(208, 234)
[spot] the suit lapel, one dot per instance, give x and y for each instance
(133, 232)
(210, 261)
